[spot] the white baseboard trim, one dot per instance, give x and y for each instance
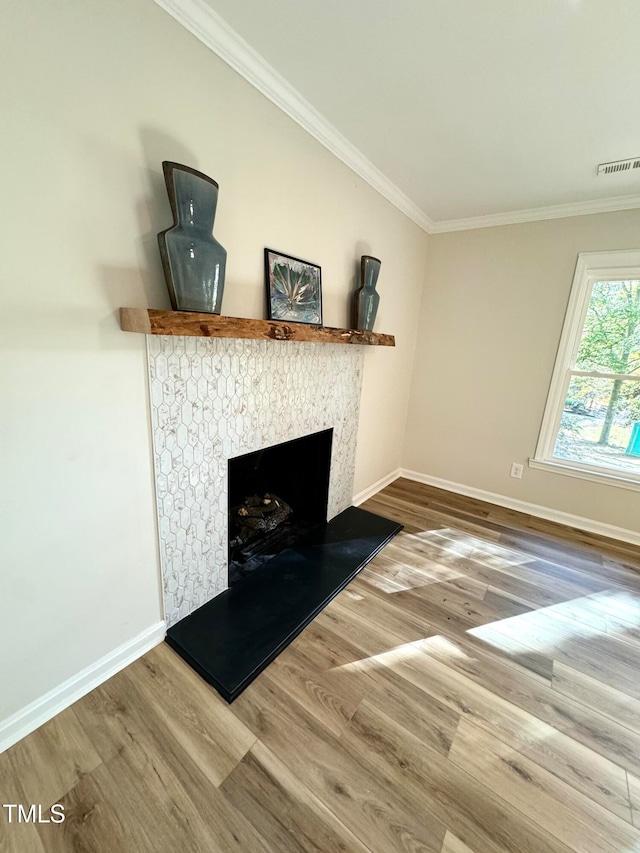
(565, 518)
(31, 717)
(365, 494)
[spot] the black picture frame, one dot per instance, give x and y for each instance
(294, 289)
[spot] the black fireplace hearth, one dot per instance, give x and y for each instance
(233, 637)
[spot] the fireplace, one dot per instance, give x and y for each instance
(276, 495)
(285, 415)
(214, 400)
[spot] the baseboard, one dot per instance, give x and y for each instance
(31, 717)
(365, 494)
(565, 518)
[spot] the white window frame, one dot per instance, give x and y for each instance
(591, 267)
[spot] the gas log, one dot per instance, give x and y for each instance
(257, 515)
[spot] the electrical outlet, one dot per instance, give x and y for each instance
(516, 470)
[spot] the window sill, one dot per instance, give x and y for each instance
(568, 470)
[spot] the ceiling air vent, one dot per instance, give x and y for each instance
(619, 166)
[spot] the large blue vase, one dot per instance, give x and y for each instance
(193, 260)
(366, 298)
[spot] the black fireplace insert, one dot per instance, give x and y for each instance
(277, 495)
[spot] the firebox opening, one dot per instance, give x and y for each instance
(276, 495)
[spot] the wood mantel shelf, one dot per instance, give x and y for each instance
(150, 321)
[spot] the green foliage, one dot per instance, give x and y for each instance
(611, 337)
(611, 344)
(630, 405)
(568, 437)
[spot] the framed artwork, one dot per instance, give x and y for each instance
(294, 289)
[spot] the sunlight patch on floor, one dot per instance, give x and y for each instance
(622, 604)
(383, 583)
(444, 646)
(616, 614)
(444, 539)
(459, 543)
(580, 619)
(406, 653)
(398, 654)
(435, 562)
(406, 578)
(490, 553)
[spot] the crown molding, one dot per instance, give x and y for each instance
(214, 32)
(536, 214)
(207, 26)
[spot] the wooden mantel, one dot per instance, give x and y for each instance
(150, 321)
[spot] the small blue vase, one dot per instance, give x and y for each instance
(367, 299)
(194, 262)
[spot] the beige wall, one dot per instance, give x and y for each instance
(490, 324)
(93, 97)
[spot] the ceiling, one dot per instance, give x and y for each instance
(471, 108)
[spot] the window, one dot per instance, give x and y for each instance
(591, 425)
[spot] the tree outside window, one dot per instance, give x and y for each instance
(592, 420)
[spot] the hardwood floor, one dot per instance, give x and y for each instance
(476, 689)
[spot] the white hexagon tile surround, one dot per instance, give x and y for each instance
(216, 398)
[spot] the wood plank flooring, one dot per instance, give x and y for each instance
(475, 690)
